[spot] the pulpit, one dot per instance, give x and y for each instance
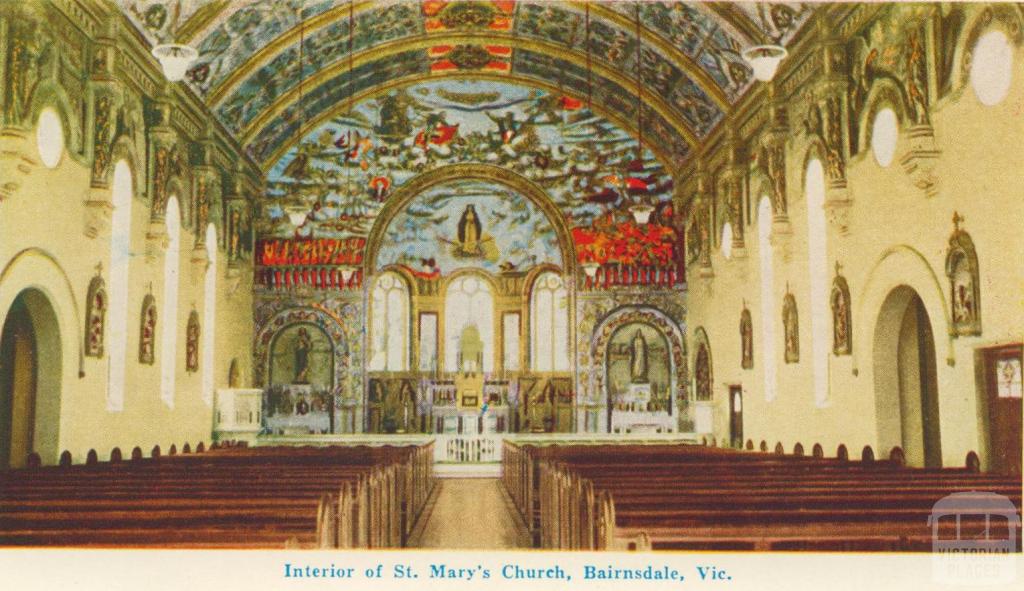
(238, 415)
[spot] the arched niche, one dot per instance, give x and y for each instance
(301, 353)
(614, 336)
(964, 276)
(293, 319)
(703, 367)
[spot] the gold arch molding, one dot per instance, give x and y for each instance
(265, 54)
(479, 172)
(284, 101)
(628, 126)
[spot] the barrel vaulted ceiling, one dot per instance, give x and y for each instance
(248, 68)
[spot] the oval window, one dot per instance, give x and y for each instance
(992, 67)
(50, 137)
(884, 133)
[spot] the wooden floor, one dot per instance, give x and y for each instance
(470, 514)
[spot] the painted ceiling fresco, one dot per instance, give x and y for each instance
(249, 68)
(469, 223)
(346, 169)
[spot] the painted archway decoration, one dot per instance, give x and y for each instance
(653, 317)
(331, 325)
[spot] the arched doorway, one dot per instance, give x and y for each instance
(30, 374)
(906, 388)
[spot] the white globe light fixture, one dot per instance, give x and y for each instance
(297, 214)
(175, 59)
(641, 212)
(764, 60)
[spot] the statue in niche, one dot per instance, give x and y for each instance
(192, 343)
(841, 338)
(95, 316)
(406, 408)
(147, 331)
(746, 340)
(702, 373)
(791, 327)
(303, 345)
(638, 358)
(962, 270)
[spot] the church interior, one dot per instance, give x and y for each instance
(511, 255)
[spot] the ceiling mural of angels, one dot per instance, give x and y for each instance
(249, 68)
(344, 171)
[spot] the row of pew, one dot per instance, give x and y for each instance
(230, 497)
(688, 497)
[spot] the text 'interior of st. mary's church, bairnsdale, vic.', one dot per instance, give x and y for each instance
(498, 273)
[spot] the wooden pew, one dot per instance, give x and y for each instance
(685, 497)
(228, 497)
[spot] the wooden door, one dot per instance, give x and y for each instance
(736, 416)
(1003, 399)
(17, 388)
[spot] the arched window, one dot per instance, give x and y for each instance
(469, 325)
(50, 137)
(209, 312)
(992, 67)
(169, 336)
(120, 255)
(549, 316)
(885, 131)
(389, 302)
(766, 255)
(814, 190)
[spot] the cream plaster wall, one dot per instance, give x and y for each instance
(897, 236)
(43, 244)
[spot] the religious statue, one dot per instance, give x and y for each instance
(147, 331)
(235, 237)
(790, 324)
(702, 373)
(840, 316)
(303, 345)
(95, 317)
(638, 358)
(192, 343)
(406, 408)
(746, 340)
(965, 280)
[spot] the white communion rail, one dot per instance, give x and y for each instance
(467, 449)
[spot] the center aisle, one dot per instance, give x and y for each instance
(470, 514)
